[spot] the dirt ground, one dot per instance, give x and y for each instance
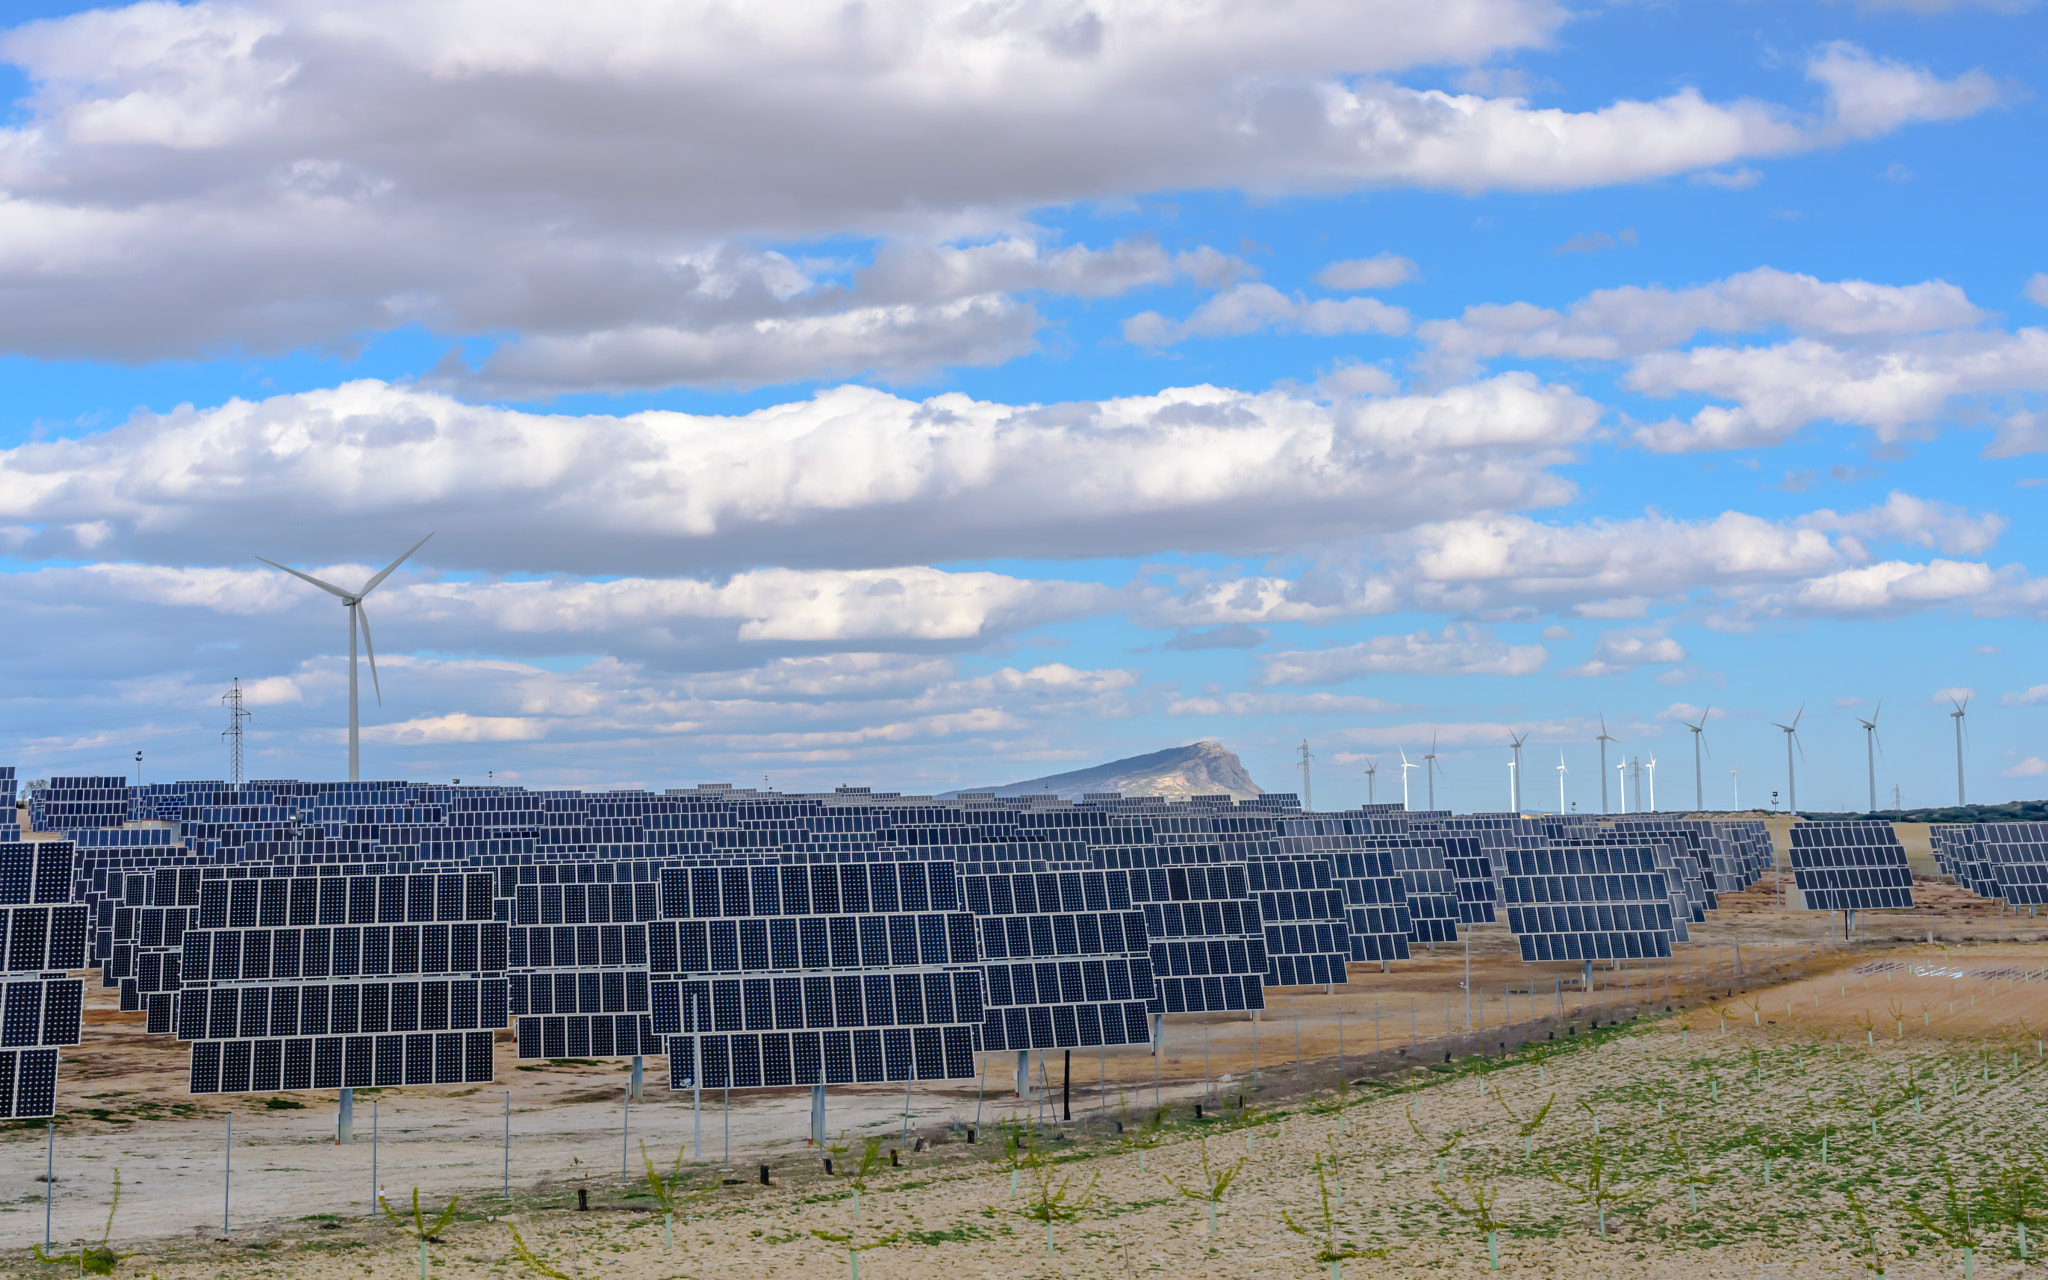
(1753, 975)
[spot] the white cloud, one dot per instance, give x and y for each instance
(2031, 767)
(1905, 518)
(2037, 288)
(1944, 697)
(1283, 704)
(1619, 652)
(1381, 271)
(1615, 324)
(1457, 651)
(1886, 589)
(852, 477)
(1741, 179)
(2036, 696)
(1687, 713)
(1250, 308)
(191, 178)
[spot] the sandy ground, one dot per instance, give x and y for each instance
(299, 1201)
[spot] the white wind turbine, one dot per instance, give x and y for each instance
(1735, 781)
(1699, 733)
(1652, 768)
(1620, 782)
(1429, 771)
(1516, 743)
(1372, 767)
(1603, 740)
(1791, 778)
(1405, 767)
(1962, 709)
(353, 602)
(1871, 746)
(1561, 771)
(1514, 791)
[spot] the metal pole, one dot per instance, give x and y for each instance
(49, 1181)
(906, 1108)
(227, 1174)
(1158, 1054)
(375, 1190)
(725, 1110)
(1208, 1094)
(626, 1139)
(980, 1085)
(345, 1119)
(1340, 1044)
(1101, 1080)
(696, 1081)
(1468, 982)
(639, 1081)
(818, 1114)
(508, 1144)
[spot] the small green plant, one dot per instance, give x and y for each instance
(1953, 1223)
(1690, 1173)
(1016, 1151)
(1140, 1137)
(95, 1260)
(1052, 1203)
(1435, 1148)
(1214, 1185)
(1596, 1186)
(2015, 1198)
(1526, 1129)
(532, 1261)
(849, 1241)
(1479, 1213)
(1870, 1249)
(418, 1228)
(1334, 1250)
(668, 1193)
(870, 1160)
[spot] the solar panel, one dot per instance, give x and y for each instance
(1307, 937)
(1849, 866)
(1587, 903)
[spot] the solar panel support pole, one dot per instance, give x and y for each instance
(227, 1172)
(625, 1139)
(49, 1180)
(376, 1191)
(1468, 982)
(639, 1078)
(818, 1114)
(508, 1144)
(345, 1119)
(696, 1084)
(1023, 1073)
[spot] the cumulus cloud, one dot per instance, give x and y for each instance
(1283, 704)
(2035, 696)
(1466, 651)
(2031, 767)
(259, 176)
(1251, 308)
(1905, 518)
(1381, 271)
(1619, 652)
(2037, 288)
(852, 477)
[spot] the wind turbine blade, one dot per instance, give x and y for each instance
(1874, 713)
(371, 585)
(1878, 740)
(370, 649)
(307, 577)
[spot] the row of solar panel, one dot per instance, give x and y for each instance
(41, 1012)
(783, 1058)
(35, 871)
(577, 946)
(1066, 1026)
(584, 1035)
(297, 901)
(759, 944)
(28, 1084)
(1594, 946)
(1071, 982)
(258, 955)
(581, 991)
(818, 1002)
(1051, 891)
(43, 938)
(1216, 993)
(585, 904)
(352, 1062)
(342, 1009)
(1019, 937)
(1517, 889)
(821, 888)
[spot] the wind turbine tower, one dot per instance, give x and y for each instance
(1603, 740)
(1699, 732)
(1791, 778)
(1561, 771)
(1871, 747)
(1516, 744)
(1430, 767)
(1405, 767)
(353, 602)
(1962, 709)
(1372, 767)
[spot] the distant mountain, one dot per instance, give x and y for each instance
(1198, 769)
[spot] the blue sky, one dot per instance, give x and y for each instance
(930, 395)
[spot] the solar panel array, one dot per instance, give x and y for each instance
(274, 927)
(1850, 866)
(2005, 861)
(1588, 903)
(40, 1008)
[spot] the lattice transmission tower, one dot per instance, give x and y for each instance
(232, 735)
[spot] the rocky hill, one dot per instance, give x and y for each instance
(1198, 769)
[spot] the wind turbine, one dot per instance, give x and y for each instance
(1603, 740)
(1620, 783)
(1791, 781)
(1561, 771)
(353, 602)
(1735, 781)
(1430, 767)
(1871, 747)
(1516, 743)
(1962, 709)
(1372, 767)
(1699, 732)
(1514, 789)
(1405, 767)
(1652, 766)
